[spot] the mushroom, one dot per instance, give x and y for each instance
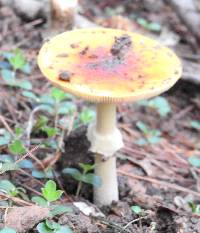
(108, 66)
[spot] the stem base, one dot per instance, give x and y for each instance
(108, 191)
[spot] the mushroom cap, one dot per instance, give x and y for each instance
(109, 65)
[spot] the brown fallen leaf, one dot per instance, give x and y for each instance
(25, 218)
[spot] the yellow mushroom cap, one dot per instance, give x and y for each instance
(109, 65)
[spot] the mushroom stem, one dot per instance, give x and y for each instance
(106, 118)
(106, 169)
(108, 191)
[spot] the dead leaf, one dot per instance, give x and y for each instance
(25, 218)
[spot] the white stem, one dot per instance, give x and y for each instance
(106, 118)
(105, 125)
(108, 191)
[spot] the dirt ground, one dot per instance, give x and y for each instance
(155, 176)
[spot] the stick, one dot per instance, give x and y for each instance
(2, 119)
(27, 154)
(162, 183)
(16, 199)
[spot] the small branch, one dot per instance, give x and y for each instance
(5, 214)
(27, 174)
(114, 225)
(133, 221)
(56, 115)
(78, 188)
(27, 154)
(3, 121)
(29, 188)
(61, 187)
(162, 183)
(71, 123)
(16, 199)
(31, 122)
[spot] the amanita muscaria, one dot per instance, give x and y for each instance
(108, 66)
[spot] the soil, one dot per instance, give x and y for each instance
(165, 161)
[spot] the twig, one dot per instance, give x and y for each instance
(196, 177)
(71, 123)
(16, 199)
(31, 122)
(27, 174)
(27, 154)
(56, 115)
(5, 214)
(3, 95)
(182, 113)
(133, 221)
(6, 125)
(61, 186)
(34, 157)
(61, 139)
(29, 188)
(133, 161)
(9, 120)
(50, 161)
(78, 188)
(38, 161)
(162, 183)
(114, 225)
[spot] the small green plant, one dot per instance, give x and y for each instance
(195, 125)
(17, 147)
(49, 195)
(152, 136)
(7, 163)
(42, 125)
(110, 11)
(57, 102)
(194, 207)
(58, 94)
(86, 116)
(9, 188)
(136, 209)
(15, 61)
(194, 161)
(160, 104)
(13, 141)
(151, 26)
(46, 174)
(83, 177)
(7, 230)
(7, 166)
(5, 137)
(52, 227)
